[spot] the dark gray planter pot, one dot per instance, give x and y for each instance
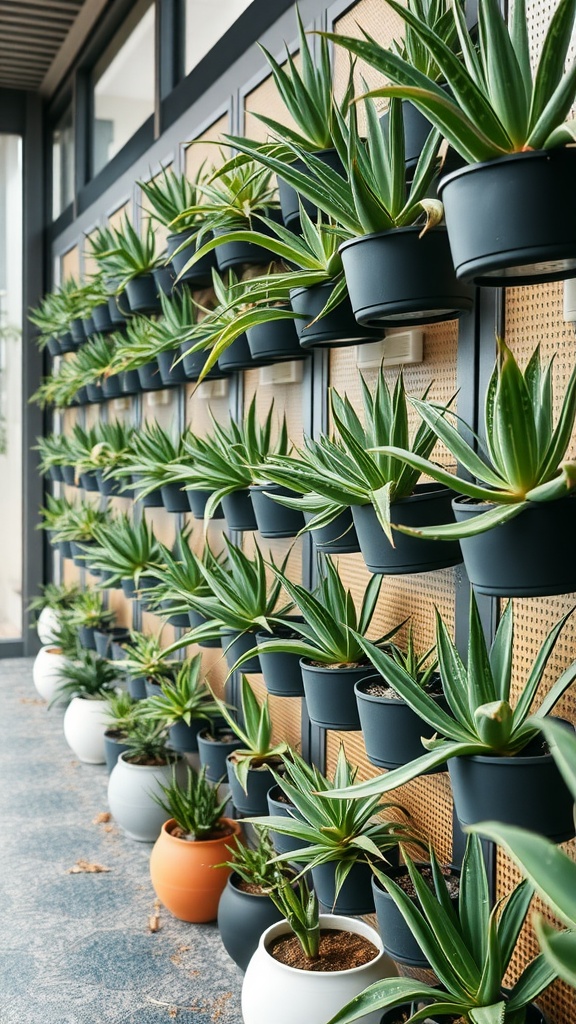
(279, 809)
(78, 551)
(104, 640)
(55, 474)
(113, 747)
(67, 343)
(69, 475)
(129, 382)
(355, 896)
(77, 331)
(142, 294)
(118, 309)
(430, 505)
(95, 392)
(174, 498)
(88, 326)
(338, 329)
(275, 342)
(149, 376)
(399, 279)
(238, 511)
(531, 556)
(184, 738)
(253, 802)
(272, 519)
(492, 241)
(178, 619)
(242, 918)
(235, 644)
(86, 637)
(290, 199)
(102, 319)
(281, 672)
(111, 386)
(239, 254)
(64, 548)
(534, 1015)
(89, 481)
(171, 375)
(526, 790)
(197, 619)
(152, 500)
(213, 752)
(198, 276)
(392, 730)
(137, 687)
(237, 357)
(194, 362)
(134, 593)
(338, 538)
(330, 697)
(397, 938)
(164, 279)
(53, 346)
(109, 486)
(197, 504)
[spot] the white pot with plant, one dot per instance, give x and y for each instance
(87, 681)
(307, 967)
(137, 779)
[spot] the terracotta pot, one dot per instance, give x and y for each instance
(185, 876)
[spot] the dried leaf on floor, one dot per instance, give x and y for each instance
(32, 700)
(102, 818)
(85, 867)
(154, 924)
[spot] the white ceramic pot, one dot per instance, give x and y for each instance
(47, 626)
(46, 671)
(85, 722)
(130, 796)
(274, 992)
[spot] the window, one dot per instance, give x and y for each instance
(205, 23)
(123, 85)
(62, 163)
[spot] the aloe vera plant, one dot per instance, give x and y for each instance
(182, 699)
(523, 459)
(195, 806)
(169, 194)
(495, 103)
(231, 196)
(299, 905)
(155, 457)
(125, 551)
(146, 657)
(469, 951)
(548, 868)
(131, 254)
(482, 719)
(258, 748)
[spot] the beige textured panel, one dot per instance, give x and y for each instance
(121, 607)
(380, 22)
(285, 713)
(198, 410)
(163, 523)
(116, 219)
(203, 150)
(161, 407)
(160, 230)
(70, 264)
(89, 263)
(265, 99)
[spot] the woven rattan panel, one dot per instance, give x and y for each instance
(160, 230)
(70, 264)
(202, 150)
(380, 22)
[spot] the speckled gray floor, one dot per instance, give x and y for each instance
(76, 948)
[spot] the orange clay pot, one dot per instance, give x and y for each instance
(183, 872)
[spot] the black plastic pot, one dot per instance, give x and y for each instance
(174, 498)
(129, 382)
(194, 362)
(88, 326)
(69, 475)
(534, 1014)
(149, 376)
(526, 790)
(111, 386)
(430, 505)
(213, 752)
(531, 556)
(177, 619)
(355, 896)
(242, 918)
(55, 474)
(399, 279)
(53, 346)
(64, 548)
(134, 593)
(273, 519)
(493, 243)
(196, 619)
(94, 391)
(235, 644)
(237, 357)
(137, 687)
(397, 938)
(164, 278)
(197, 504)
(86, 637)
(198, 276)
(184, 738)
(77, 331)
(109, 486)
(142, 294)
(171, 375)
(281, 672)
(66, 343)
(102, 319)
(392, 730)
(278, 808)
(79, 551)
(113, 747)
(106, 638)
(338, 538)
(330, 697)
(152, 500)
(289, 197)
(253, 802)
(338, 329)
(239, 254)
(89, 481)
(81, 397)
(118, 309)
(275, 342)
(238, 511)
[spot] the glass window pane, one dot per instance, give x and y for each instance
(62, 164)
(123, 86)
(206, 22)
(11, 386)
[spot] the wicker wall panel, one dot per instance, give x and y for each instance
(70, 264)
(380, 22)
(202, 149)
(115, 219)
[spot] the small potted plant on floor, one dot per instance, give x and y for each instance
(51, 659)
(331, 658)
(186, 861)
(469, 953)
(246, 907)
(137, 779)
(521, 481)
(121, 712)
(309, 964)
(184, 705)
(498, 765)
(339, 842)
(169, 195)
(511, 135)
(85, 683)
(53, 600)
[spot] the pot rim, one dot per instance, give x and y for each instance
(409, 229)
(476, 507)
(376, 699)
(343, 670)
(399, 869)
(204, 843)
(518, 759)
(532, 154)
(260, 768)
(311, 288)
(336, 921)
(232, 881)
(173, 759)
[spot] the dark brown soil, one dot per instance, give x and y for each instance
(339, 951)
(251, 887)
(220, 737)
(406, 884)
(150, 762)
(339, 664)
(383, 690)
(220, 832)
(281, 798)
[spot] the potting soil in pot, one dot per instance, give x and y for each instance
(339, 951)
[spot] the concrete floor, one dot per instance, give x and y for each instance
(76, 948)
